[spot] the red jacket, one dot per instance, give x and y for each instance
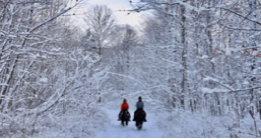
(124, 106)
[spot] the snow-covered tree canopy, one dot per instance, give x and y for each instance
(189, 57)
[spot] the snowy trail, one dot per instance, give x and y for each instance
(114, 129)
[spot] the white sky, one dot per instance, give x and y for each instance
(122, 17)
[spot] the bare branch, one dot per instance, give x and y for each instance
(245, 17)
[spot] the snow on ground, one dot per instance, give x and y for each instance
(101, 122)
(180, 124)
(177, 124)
(114, 129)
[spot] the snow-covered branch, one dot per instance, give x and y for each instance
(240, 15)
(208, 78)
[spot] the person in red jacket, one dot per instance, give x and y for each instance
(124, 106)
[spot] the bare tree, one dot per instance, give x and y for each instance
(100, 21)
(30, 36)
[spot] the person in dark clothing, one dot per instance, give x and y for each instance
(140, 106)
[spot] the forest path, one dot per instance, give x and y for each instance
(114, 129)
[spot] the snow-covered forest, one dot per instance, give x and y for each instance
(196, 63)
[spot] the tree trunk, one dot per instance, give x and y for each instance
(184, 56)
